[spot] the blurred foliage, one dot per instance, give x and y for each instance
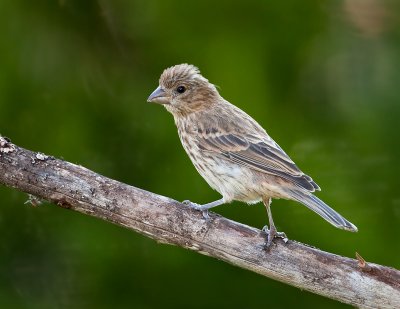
(321, 76)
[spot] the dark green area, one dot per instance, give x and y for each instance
(323, 77)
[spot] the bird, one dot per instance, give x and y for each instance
(232, 152)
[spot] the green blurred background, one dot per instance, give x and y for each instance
(323, 77)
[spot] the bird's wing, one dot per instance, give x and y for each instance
(258, 153)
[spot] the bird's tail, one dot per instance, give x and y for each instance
(318, 206)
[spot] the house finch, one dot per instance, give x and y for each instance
(232, 151)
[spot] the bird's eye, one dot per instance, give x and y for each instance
(181, 89)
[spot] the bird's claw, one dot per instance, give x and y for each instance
(272, 234)
(198, 207)
(206, 215)
(186, 202)
(191, 204)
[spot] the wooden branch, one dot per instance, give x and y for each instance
(351, 281)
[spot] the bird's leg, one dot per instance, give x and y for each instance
(272, 229)
(272, 232)
(205, 207)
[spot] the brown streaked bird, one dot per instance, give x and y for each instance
(232, 152)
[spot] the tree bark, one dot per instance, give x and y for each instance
(352, 281)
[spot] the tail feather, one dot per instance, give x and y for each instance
(318, 206)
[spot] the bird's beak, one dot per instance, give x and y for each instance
(158, 96)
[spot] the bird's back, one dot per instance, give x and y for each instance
(227, 134)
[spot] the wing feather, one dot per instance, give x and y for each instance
(261, 154)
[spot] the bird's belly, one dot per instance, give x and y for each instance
(232, 181)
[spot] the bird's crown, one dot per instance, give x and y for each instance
(181, 73)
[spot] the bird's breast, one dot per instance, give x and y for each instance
(222, 175)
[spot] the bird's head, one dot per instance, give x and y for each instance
(183, 90)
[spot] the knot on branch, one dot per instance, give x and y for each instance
(5, 145)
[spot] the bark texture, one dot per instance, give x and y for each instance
(352, 281)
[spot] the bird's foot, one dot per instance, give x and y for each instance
(198, 207)
(273, 233)
(191, 204)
